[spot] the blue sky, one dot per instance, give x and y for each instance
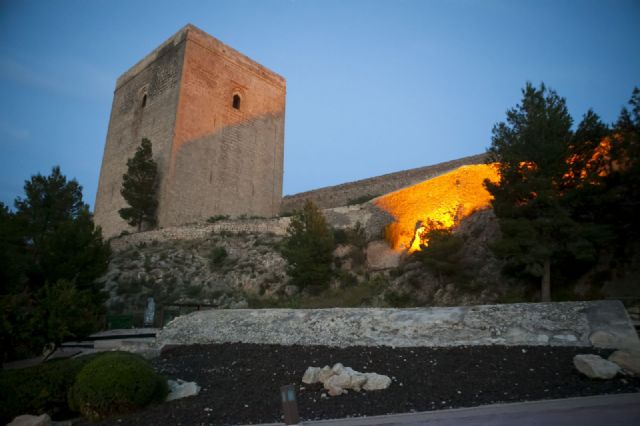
(372, 86)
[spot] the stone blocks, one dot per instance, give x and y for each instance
(213, 158)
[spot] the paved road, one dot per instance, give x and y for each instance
(607, 410)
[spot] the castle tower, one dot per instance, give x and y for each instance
(215, 119)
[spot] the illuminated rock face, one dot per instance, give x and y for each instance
(440, 202)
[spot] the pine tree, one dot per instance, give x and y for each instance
(56, 254)
(538, 227)
(309, 248)
(139, 188)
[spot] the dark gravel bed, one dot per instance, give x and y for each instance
(241, 382)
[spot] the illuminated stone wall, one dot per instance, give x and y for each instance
(341, 195)
(441, 202)
(212, 158)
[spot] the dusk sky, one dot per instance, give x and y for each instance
(373, 87)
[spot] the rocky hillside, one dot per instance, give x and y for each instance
(237, 263)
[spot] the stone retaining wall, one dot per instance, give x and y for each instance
(340, 195)
(276, 226)
(368, 215)
(603, 323)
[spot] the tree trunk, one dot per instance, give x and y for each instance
(546, 281)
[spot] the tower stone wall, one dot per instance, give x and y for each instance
(216, 122)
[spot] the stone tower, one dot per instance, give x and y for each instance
(215, 119)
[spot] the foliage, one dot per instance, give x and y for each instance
(217, 256)
(559, 192)
(65, 311)
(610, 192)
(12, 257)
(366, 294)
(40, 389)
(54, 255)
(355, 236)
(115, 383)
(443, 254)
(308, 248)
(140, 187)
(217, 218)
(361, 199)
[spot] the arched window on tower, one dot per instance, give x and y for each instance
(236, 101)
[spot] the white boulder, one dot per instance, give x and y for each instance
(311, 375)
(181, 389)
(595, 367)
(376, 382)
(325, 373)
(627, 360)
(338, 379)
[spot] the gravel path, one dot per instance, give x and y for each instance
(241, 381)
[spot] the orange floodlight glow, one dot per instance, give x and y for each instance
(437, 203)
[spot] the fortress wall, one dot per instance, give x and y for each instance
(225, 160)
(202, 231)
(230, 172)
(213, 158)
(157, 76)
(340, 195)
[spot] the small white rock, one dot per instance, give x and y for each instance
(311, 375)
(181, 389)
(376, 382)
(325, 373)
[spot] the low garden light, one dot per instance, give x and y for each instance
(289, 405)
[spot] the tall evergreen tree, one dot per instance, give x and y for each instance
(532, 148)
(139, 188)
(59, 237)
(56, 256)
(623, 181)
(308, 248)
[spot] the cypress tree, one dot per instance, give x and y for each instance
(139, 188)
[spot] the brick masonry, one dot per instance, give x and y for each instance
(212, 158)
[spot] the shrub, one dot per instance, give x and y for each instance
(361, 199)
(217, 257)
(217, 218)
(308, 249)
(40, 389)
(444, 255)
(115, 383)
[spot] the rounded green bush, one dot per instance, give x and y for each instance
(115, 383)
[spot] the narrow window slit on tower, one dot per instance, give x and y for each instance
(236, 101)
(144, 100)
